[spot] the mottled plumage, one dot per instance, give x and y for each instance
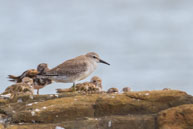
(94, 85)
(126, 89)
(166, 89)
(112, 90)
(38, 83)
(22, 88)
(41, 82)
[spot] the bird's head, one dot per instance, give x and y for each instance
(27, 80)
(42, 68)
(95, 57)
(96, 81)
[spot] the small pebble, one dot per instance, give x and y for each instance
(20, 100)
(44, 107)
(33, 113)
(37, 110)
(109, 123)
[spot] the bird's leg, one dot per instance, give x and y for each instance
(73, 87)
(37, 91)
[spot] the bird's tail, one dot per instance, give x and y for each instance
(13, 78)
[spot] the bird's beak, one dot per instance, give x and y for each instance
(104, 62)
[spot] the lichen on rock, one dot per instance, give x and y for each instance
(131, 110)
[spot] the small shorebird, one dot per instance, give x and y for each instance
(166, 89)
(112, 90)
(97, 81)
(94, 85)
(42, 68)
(23, 88)
(75, 69)
(126, 89)
(38, 83)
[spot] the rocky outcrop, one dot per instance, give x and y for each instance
(177, 117)
(168, 109)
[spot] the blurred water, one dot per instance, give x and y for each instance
(148, 43)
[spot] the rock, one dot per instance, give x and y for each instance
(56, 110)
(132, 110)
(146, 102)
(2, 126)
(176, 118)
(112, 122)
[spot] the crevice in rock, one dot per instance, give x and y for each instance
(137, 98)
(156, 122)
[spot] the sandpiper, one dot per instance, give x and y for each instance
(23, 88)
(42, 68)
(166, 89)
(112, 90)
(75, 69)
(94, 85)
(97, 81)
(126, 89)
(38, 83)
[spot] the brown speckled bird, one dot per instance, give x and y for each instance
(166, 89)
(41, 82)
(97, 81)
(126, 89)
(112, 90)
(38, 83)
(94, 85)
(22, 88)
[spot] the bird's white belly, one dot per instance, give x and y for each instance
(90, 70)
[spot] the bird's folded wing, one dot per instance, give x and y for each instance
(68, 68)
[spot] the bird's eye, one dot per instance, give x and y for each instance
(94, 56)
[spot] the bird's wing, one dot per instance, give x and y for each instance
(69, 67)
